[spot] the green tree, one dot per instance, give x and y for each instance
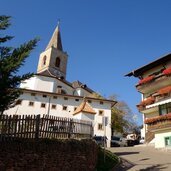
(122, 119)
(11, 59)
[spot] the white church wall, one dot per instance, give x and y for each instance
(29, 83)
(38, 99)
(48, 84)
(60, 102)
(44, 84)
(67, 88)
(78, 116)
(81, 92)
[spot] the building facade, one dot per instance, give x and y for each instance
(155, 88)
(48, 92)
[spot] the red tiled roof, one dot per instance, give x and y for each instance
(84, 107)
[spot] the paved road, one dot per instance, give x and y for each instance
(142, 158)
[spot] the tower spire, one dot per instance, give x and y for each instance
(55, 40)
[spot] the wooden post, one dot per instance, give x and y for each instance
(70, 128)
(37, 127)
(91, 130)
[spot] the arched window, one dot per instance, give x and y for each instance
(44, 60)
(57, 62)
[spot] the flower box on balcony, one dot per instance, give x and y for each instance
(167, 71)
(140, 107)
(148, 101)
(160, 125)
(158, 119)
(165, 90)
(146, 80)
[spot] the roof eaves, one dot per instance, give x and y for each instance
(137, 72)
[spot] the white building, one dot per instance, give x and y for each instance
(155, 105)
(48, 92)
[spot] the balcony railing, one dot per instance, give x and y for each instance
(153, 83)
(144, 103)
(162, 94)
(159, 122)
(160, 125)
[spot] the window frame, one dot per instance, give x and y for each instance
(53, 106)
(31, 103)
(65, 98)
(44, 96)
(101, 112)
(55, 97)
(64, 107)
(44, 60)
(57, 62)
(18, 102)
(89, 101)
(165, 108)
(43, 105)
(100, 126)
(165, 140)
(101, 102)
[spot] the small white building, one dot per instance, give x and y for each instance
(48, 92)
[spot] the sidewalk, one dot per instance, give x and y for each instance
(123, 165)
(142, 158)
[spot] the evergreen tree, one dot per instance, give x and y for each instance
(11, 59)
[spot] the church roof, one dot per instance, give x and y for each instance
(55, 40)
(84, 107)
(78, 84)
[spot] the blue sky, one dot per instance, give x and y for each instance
(104, 39)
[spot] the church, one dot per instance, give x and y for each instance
(48, 92)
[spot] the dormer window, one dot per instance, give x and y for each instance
(44, 60)
(57, 62)
(59, 89)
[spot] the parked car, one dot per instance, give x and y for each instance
(132, 139)
(100, 140)
(118, 142)
(142, 140)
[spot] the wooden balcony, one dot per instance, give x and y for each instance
(161, 122)
(153, 85)
(147, 108)
(162, 125)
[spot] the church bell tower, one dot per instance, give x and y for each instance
(53, 61)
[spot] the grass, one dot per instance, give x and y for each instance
(110, 160)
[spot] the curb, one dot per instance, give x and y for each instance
(123, 164)
(119, 162)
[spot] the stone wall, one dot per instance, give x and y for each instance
(48, 155)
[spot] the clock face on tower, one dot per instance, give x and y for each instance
(57, 73)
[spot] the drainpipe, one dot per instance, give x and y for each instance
(49, 106)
